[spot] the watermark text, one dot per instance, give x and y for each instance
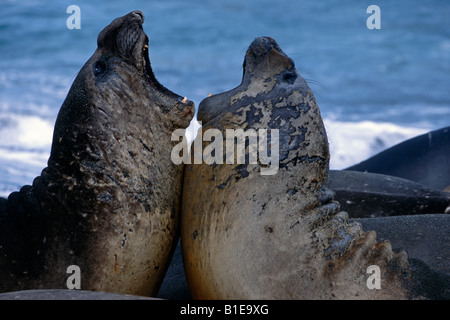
(374, 21)
(74, 280)
(262, 146)
(74, 20)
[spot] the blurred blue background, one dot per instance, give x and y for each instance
(375, 88)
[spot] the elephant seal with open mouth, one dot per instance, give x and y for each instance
(250, 235)
(109, 200)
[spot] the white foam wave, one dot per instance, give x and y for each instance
(353, 142)
(26, 141)
(27, 132)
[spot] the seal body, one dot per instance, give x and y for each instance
(423, 159)
(109, 200)
(247, 235)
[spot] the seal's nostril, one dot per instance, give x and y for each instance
(289, 77)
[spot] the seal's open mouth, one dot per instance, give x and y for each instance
(125, 38)
(148, 72)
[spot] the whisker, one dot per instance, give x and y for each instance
(315, 83)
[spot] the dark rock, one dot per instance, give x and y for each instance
(367, 195)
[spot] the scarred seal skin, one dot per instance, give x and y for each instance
(109, 199)
(246, 235)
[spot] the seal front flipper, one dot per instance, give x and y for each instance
(109, 200)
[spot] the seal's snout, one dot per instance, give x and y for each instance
(139, 14)
(121, 35)
(184, 110)
(262, 46)
(189, 108)
(263, 54)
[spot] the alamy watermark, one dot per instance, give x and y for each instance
(374, 21)
(74, 280)
(74, 20)
(261, 149)
(374, 280)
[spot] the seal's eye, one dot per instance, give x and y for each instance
(290, 77)
(99, 68)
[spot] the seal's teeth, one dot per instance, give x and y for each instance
(146, 46)
(184, 100)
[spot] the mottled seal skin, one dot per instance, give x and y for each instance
(252, 236)
(109, 199)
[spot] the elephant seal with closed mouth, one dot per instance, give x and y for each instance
(248, 235)
(109, 200)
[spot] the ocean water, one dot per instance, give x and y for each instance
(375, 88)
